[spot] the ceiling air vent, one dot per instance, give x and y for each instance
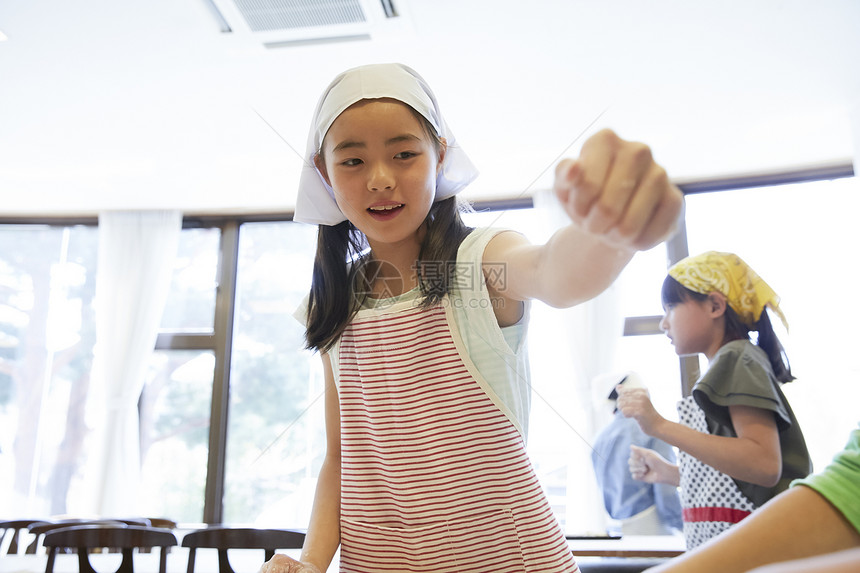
(281, 23)
(266, 15)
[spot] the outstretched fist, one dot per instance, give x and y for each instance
(616, 190)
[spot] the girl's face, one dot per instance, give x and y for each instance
(693, 326)
(382, 166)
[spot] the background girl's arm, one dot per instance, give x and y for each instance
(619, 200)
(323, 536)
(754, 456)
(797, 523)
(846, 561)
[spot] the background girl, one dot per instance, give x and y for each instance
(420, 322)
(740, 442)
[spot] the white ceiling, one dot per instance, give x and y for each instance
(108, 104)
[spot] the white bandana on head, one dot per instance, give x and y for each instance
(315, 202)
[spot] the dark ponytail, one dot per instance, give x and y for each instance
(768, 341)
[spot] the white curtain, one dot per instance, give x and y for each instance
(855, 128)
(137, 251)
(570, 349)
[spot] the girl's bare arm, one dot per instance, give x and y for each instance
(796, 524)
(323, 536)
(753, 456)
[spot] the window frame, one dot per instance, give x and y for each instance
(220, 339)
(677, 247)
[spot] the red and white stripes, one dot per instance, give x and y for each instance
(434, 477)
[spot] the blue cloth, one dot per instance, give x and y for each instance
(624, 496)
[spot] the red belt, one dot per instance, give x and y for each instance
(724, 514)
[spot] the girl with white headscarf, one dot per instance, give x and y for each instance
(421, 324)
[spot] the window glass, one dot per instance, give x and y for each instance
(190, 304)
(276, 432)
(175, 410)
(802, 240)
(798, 237)
(640, 282)
(47, 334)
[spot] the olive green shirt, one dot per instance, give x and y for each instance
(740, 374)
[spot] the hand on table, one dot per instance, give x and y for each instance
(280, 563)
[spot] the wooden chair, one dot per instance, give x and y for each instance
(126, 538)
(162, 522)
(223, 538)
(40, 528)
(15, 531)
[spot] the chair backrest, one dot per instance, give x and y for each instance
(40, 528)
(15, 531)
(126, 538)
(162, 522)
(223, 538)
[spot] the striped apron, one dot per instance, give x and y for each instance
(710, 500)
(434, 477)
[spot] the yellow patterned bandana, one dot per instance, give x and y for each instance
(746, 293)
